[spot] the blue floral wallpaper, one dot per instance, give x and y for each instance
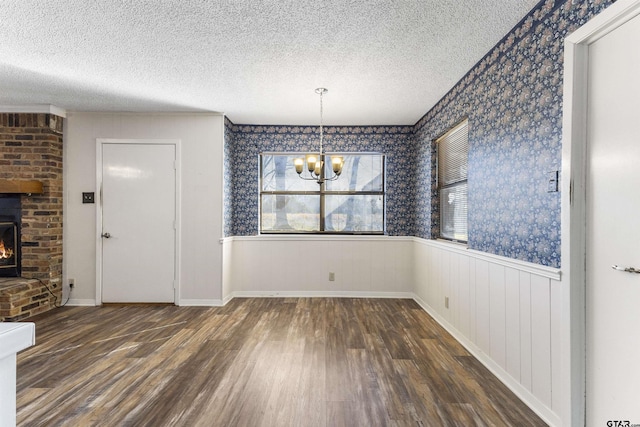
(227, 190)
(244, 143)
(513, 99)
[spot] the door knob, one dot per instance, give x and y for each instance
(106, 235)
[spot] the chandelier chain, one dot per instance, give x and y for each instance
(321, 122)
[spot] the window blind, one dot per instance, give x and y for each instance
(452, 182)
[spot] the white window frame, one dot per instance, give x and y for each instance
(452, 153)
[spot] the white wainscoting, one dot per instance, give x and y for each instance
(271, 265)
(506, 312)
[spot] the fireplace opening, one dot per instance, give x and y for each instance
(10, 247)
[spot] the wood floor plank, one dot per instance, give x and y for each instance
(424, 406)
(393, 391)
(339, 382)
(257, 362)
(369, 405)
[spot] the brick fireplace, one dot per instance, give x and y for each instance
(31, 167)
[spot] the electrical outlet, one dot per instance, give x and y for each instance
(72, 283)
(332, 277)
(446, 302)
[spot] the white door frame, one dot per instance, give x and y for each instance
(98, 200)
(573, 217)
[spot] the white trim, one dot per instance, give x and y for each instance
(529, 267)
(202, 303)
(293, 294)
(221, 199)
(573, 207)
(80, 302)
(572, 230)
(98, 231)
(177, 143)
(178, 219)
(320, 294)
(613, 17)
(36, 108)
(226, 299)
(525, 395)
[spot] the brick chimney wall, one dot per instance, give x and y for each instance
(31, 149)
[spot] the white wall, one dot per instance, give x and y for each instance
(201, 138)
(300, 265)
(506, 312)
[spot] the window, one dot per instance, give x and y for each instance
(452, 182)
(352, 204)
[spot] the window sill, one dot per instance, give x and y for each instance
(461, 245)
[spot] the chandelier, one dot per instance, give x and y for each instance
(315, 161)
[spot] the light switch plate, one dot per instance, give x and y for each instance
(552, 182)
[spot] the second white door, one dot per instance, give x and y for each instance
(613, 233)
(138, 222)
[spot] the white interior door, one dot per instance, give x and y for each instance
(613, 227)
(138, 222)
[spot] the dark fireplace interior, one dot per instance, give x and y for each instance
(10, 248)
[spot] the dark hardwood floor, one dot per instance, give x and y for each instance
(257, 362)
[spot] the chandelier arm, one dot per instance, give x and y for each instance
(311, 178)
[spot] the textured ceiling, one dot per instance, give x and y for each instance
(384, 62)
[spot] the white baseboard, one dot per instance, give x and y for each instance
(525, 395)
(201, 303)
(268, 294)
(81, 302)
(183, 302)
(226, 299)
(319, 294)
